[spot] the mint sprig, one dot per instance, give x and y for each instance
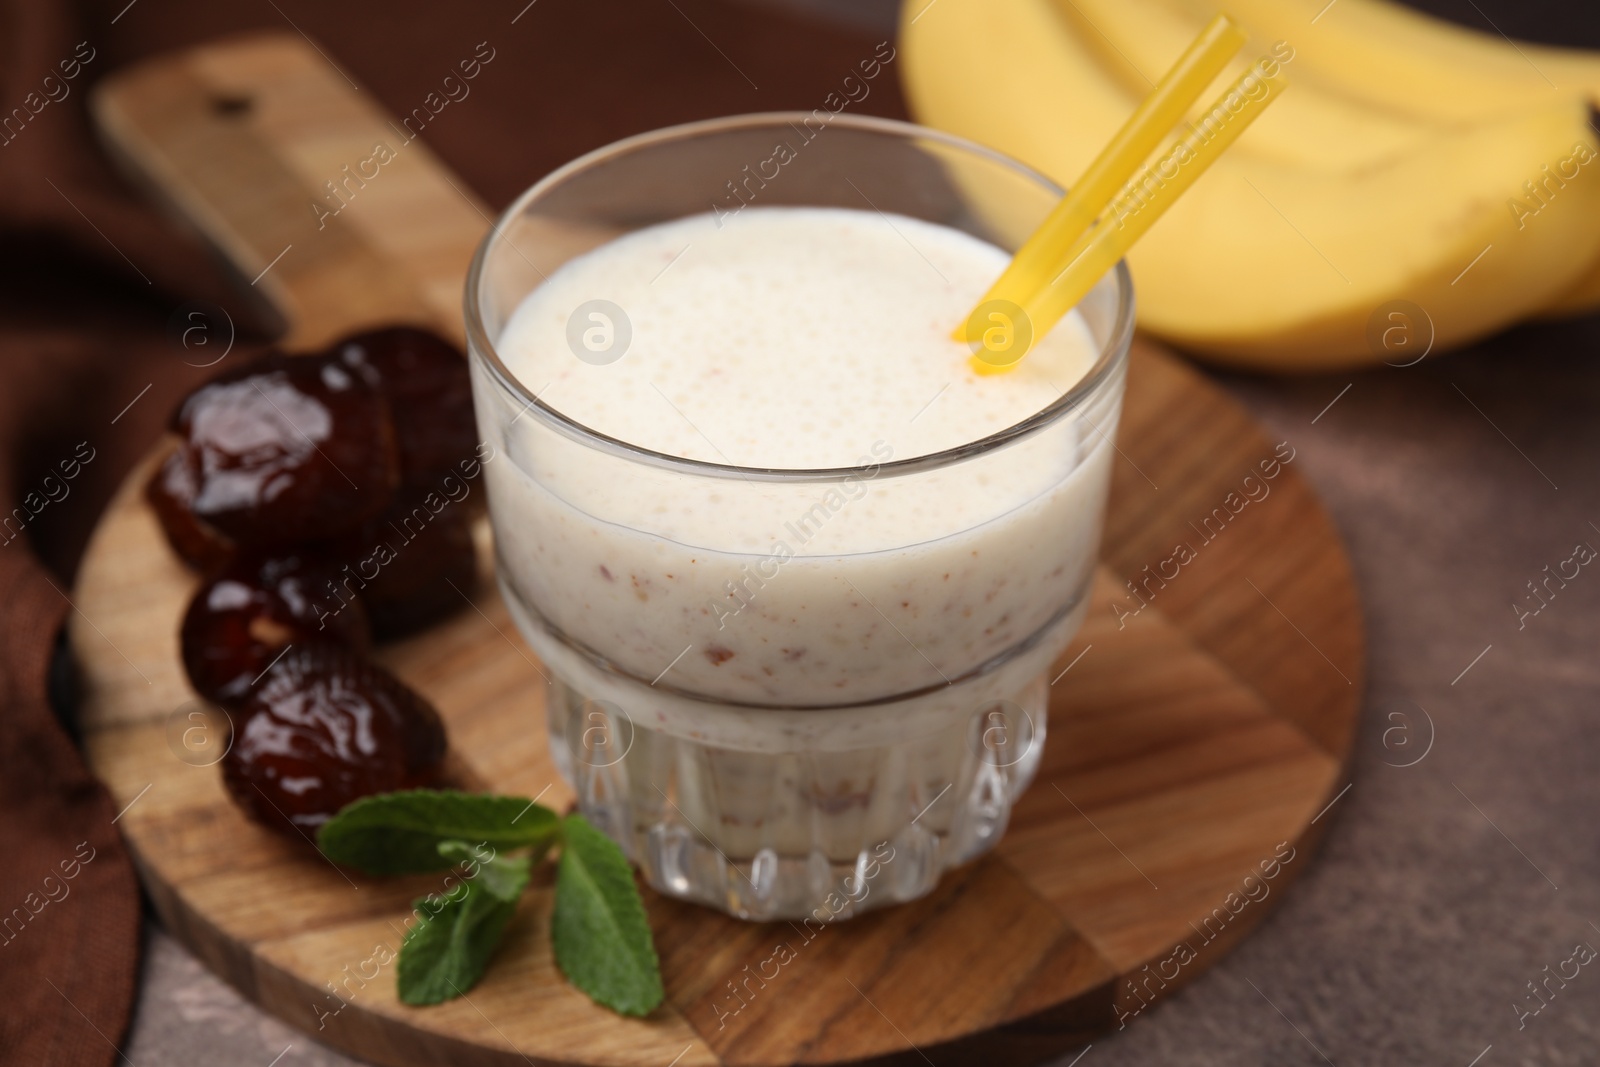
(504, 878)
(599, 931)
(448, 950)
(399, 833)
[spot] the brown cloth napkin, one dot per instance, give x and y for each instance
(78, 323)
(89, 284)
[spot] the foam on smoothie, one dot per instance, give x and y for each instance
(788, 338)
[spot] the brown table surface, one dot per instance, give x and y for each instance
(1444, 887)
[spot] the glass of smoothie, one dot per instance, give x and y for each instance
(797, 574)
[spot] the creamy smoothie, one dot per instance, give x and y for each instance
(774, 673)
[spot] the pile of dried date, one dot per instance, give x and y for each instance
(327, 500)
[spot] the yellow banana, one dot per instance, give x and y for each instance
(1408, 62)
(1269, 264)
(1391, 57)
(1310, 127)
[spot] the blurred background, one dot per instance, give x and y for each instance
(1455, 478)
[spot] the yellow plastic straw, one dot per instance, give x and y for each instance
(1041, 257)
(1147, 197)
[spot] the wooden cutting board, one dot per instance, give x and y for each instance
(1194, 747)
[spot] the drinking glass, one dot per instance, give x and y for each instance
(777, 701)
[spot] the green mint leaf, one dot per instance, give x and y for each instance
(499, 876)
(599, 930)
(448, 950)
(399, 833)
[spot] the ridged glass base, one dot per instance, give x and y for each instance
(780, 831)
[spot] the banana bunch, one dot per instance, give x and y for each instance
(1409, 161)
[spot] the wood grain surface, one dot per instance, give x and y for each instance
(1194, 744)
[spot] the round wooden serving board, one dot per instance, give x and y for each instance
(1191, 746)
